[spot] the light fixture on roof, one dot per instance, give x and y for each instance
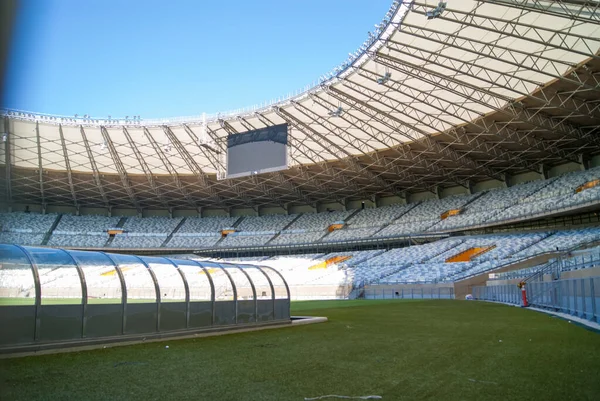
(436, 12)
(103, 146)
(386, 77)
(337, 112)
(4, 137)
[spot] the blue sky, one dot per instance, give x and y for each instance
(180, 57)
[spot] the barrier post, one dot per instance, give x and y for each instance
(523, 294)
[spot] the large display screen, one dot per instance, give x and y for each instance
(259, 151)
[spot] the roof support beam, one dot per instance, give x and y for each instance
(169, 166)
(208, 152)
(145, 168)
(467, 116)
(192, 165)
(279, 176)
(120, 168)
(7, 160)
(68, 166)
(546, 66)
(421, 137)
(515, 29)
(317, 160)
(349, 161)
(95, 171)
(356, 143)
(264, 188)
(403, 152)
(581, 11)
(40, 164)
(467, 91)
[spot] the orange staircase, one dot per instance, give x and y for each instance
(448, 213)
(470, 254)
(329, 262)
(587, 185)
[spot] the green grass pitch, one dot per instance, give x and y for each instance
(400, 350)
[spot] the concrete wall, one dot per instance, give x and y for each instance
(214, 212)
(564, 168)
(271, 210)
(297, 209)
(155, 212)
(390, 200)
(452, 191)
(124, 212)
(489, 184)
(525, 177)
(420, 196)
(185, 213)
(248, 211)
(357, 204)
(322, 207)
(595, 161)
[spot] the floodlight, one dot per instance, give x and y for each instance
(436, 12)
(386, 77)
(336, 113)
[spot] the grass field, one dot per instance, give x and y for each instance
(400, 350)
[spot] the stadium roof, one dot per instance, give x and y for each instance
(437, 96)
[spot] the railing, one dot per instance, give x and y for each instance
(405, 293)
(578, 297)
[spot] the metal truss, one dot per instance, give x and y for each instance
(191, 163)
(172, 171)
(471, 94)
(578, 10)
(6, 137)
(68, 166)
(145, 169)
(95, 171)
(477, 93)
(40, 165)
(120, 169)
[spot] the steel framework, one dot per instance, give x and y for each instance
(484, 90)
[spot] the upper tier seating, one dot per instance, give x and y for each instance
(207, 224)
(78, 240)
(25, 228)
(159, 225)
(21, 238)
(496, 206)
(254, 239)
(376, 217)
(138, 241)
(86, 224)
(182, 241)
(318, 221)
(26, 222)
(275, 222)
(350, 234)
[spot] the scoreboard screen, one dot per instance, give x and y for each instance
(258, 151)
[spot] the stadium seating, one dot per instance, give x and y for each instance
(207, 224)
(376, 217)
(159, 225)
(25, 228)
(297, 237)
(134, 240)
(275, 222)
(522, 201)
(193, 241)
(318, 221)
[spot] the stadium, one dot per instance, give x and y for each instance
(454, 155)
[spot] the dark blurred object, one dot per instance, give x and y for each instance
(8, 11)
